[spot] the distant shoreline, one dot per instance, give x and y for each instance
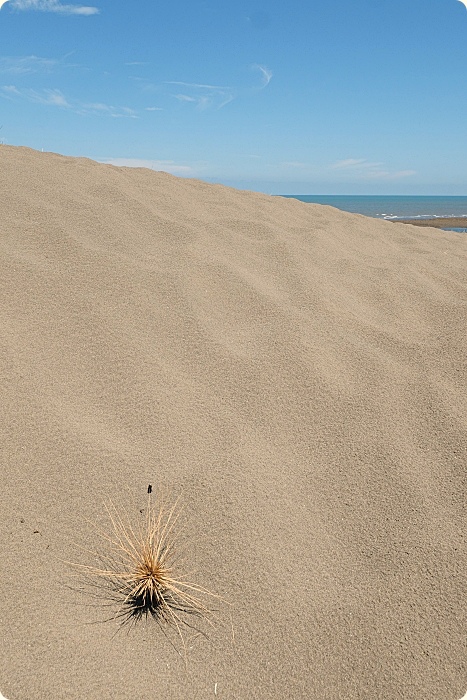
(437, 211)
(438, 222)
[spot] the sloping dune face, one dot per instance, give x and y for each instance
(296, 373)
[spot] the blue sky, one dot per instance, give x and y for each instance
(331, 97)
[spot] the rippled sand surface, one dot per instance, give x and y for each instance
(296, 373)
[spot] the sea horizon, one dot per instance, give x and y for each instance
(393, 207)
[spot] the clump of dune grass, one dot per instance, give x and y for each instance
(139, 570)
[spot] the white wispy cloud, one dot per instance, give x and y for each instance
(202, 95)
(361, 168)
(196, 85)
(153, 109)
(28, 65)
(185, 98)
(22, 65)
(348, 163)
(168, 166)
(105, 109)
(266, 74)
(55, 98)
(46, 97)
(51, 6)
(50, 97)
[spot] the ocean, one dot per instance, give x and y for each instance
(393, 206)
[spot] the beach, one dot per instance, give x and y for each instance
(438, 222)
(295, 374)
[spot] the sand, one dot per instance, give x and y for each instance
(296, 373)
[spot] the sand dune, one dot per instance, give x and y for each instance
(297, 373)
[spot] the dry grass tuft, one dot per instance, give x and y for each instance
(138, 574)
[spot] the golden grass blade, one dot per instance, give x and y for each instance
(137, 573)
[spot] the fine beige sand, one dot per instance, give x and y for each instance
(296, 373)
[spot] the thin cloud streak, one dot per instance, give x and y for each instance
(185, 98)
(203, 96)
(106, 110)
(28, 65)
(46, 97)
(55, 98)
(51, 6)
(196, 85)
(265, 73)
(363, 169)
(348, 163)
(22, 65)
